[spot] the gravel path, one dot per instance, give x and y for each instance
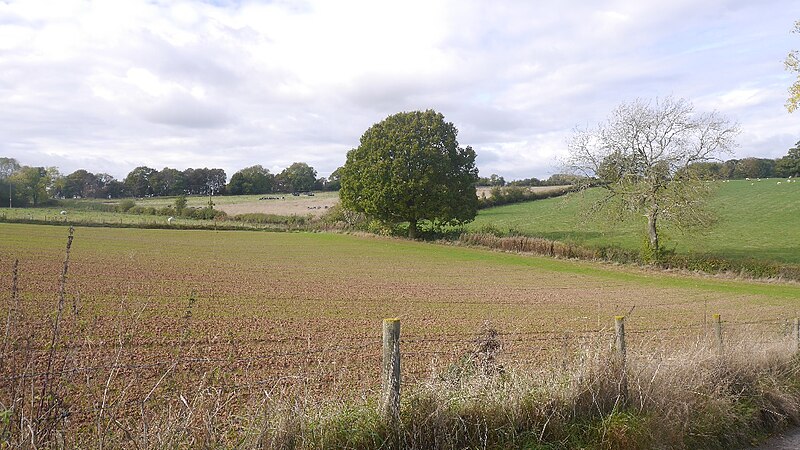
(789, 440)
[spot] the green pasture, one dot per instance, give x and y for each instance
(79, 216)
(90, 211)
(199, 201)
(757, 220)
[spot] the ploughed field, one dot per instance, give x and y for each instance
(163, 312)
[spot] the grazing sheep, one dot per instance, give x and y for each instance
(169, 220)
(63, 213)
(779, 182)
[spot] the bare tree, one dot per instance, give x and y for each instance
(642, 156)
(792, 64)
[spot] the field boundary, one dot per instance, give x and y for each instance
(616, 355)
(748, 268)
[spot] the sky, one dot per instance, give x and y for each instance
(107, 86)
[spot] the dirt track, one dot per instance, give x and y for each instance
(787, 441)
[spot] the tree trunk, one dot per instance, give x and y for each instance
(652, 231)
(412, 229)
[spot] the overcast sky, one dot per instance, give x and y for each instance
(111, 85)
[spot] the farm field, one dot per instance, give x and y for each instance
(237, 294)
(75, 215)
(281, 204)
(153, 316)
(755, 220)
(85, 210)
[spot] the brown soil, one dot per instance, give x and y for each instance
(302, 312)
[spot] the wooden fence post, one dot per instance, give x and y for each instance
(391, 370)
(796, 334)
(718, 332)
(619, 329)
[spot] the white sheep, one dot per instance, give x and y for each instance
(169, 221)
(63, 213)
(779, 182)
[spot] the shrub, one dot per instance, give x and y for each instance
(180, 204)
(490, 236)
(262, 218)
(125, 205)
(515, 194)
(207, 213)
(340, 216)
(144, 210)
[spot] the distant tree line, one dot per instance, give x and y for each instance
(559, 179)
(24, 185)
(737, 169)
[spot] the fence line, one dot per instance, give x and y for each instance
(619, 332)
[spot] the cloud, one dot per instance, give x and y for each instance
(109, 86)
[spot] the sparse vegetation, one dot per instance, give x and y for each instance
(280, 349)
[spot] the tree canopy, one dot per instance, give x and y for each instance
(33, 183)
(7, 167)
(139, 181)
(251, 180)
(789, 165)
(299, 177)
(642, 155)
(792, 64)
(409, 168)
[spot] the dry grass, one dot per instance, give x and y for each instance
(679, 396)
(285, 205)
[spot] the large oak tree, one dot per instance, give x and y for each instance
(409, 168)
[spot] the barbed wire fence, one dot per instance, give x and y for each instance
(425, 356)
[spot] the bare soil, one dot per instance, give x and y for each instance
(302, 312)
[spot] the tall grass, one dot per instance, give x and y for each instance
(679, 396)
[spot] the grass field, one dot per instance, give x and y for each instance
(755, 220)
(82, 211)
(170, 314)
(76, 215)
